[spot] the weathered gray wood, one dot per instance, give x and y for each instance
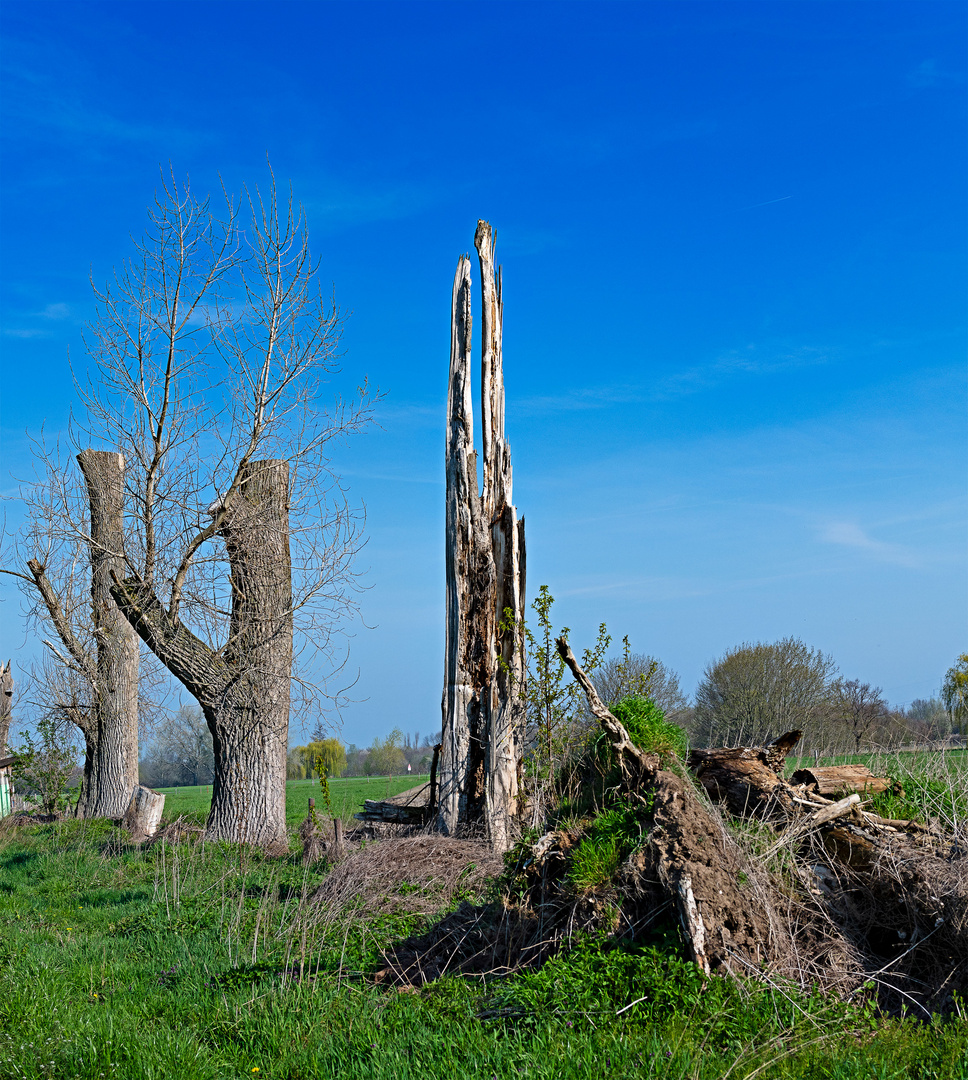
(837, 779)
(143, 815)
(6, 704)
(411, 807)
(483, 710)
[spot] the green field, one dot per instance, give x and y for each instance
(201, 962)
(347, 796)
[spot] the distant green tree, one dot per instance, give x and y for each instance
(927, 718)
(954, 692)
(386, 757)
(45, 761)
(327, 757)
(758, 691)
(321, 757)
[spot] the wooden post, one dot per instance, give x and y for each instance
(483, 704)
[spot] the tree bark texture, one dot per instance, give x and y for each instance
(242, 687)
(111, 728)
(6, 704)
(484, 670)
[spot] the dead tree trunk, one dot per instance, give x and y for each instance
(482, 704)
(6, 704)
(242, 687)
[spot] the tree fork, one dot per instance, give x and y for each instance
(243, 687)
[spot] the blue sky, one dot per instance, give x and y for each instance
(734, 249)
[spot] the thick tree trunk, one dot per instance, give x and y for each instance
(243, 688)
(111, 759)
(483, 715)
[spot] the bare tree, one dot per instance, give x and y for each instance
(859, 708)
(209, 351)
(233, 468)
(181, 752)
(636, 673)
(67, 554)
(758, 690)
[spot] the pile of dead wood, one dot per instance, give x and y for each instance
(799, 880)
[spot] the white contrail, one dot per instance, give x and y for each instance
(767, 203)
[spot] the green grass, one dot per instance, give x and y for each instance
(347, 796)
(935, 783)
(169, 962)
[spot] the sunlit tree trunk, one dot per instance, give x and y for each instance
(483, 705)
(243, 687)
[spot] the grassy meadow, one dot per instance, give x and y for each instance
(346, 795)
(201, 960)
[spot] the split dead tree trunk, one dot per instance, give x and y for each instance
(6, 704)
(484, 670)
(242, 686)
(109, 722)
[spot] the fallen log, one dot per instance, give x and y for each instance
(748, 779)
(411, 807)
(841, 779)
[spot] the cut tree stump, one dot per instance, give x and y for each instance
(143, 815)
(841, 779)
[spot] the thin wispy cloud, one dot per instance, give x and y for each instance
(345, 204)
(24, 332)
(930, 73)
(769, 202)
(753, 360)
(36, 102)
(54, 312)
(850, 534)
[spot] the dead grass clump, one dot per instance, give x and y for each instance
(407, 875)
(904, 908)
(178, 831)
